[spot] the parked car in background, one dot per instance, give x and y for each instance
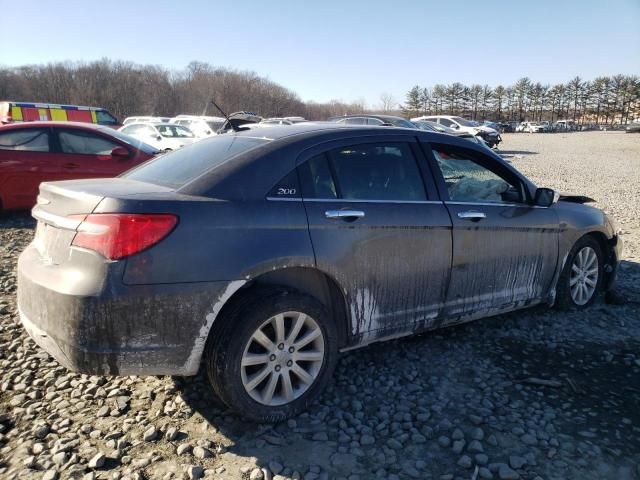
(201, 126)
(521, 126)
(534, 127)
(162, 136)
(436, 127)
(496, 126)
(633, 128)
(11, 112)
(374, 120)
(129, 120)
(266, 257)
(36, 152)
(508, 127)
(489, 135)
(239, 119)
(564, 126)
(283, 120)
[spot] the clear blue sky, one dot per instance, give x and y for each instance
(345, 49)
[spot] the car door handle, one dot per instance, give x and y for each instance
(344, 214)
(472, 215)
(71, 165)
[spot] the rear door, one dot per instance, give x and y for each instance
(505, 250)
(25, 161)
(86, 154)
(377, 227)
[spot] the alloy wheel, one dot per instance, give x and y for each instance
(583, 280)
(282, 358)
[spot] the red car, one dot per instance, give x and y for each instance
(35, 152)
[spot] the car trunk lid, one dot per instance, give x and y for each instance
(61, 207)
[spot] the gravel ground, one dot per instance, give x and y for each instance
(536, 394)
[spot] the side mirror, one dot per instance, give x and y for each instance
(455, 126)
(545, 197)
(119, 152)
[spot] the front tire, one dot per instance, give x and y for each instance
(273, 355)
(581, 278)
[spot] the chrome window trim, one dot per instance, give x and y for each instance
(489, 204)
(351, 200)
(284, 199)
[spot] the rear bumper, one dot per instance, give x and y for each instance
(116, 329)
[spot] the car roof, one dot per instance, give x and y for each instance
(368, 115)
(55, 124)
(274, 158)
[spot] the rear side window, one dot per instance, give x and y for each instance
(86, 143)
(375, 171)
(29, 140)
(179, 167)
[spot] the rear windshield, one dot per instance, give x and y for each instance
(179, 167)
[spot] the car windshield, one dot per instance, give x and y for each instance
(174, 131)
(179, 167)
(463, 122)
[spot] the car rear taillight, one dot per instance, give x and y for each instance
(119, 235)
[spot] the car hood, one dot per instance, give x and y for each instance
(486, 129)
(567, 197)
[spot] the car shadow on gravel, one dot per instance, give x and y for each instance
(21, 219)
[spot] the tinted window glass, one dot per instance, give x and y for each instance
(30, 140)
(356, 121)
(374, 121)
(105, 118)
(316, 179)
(380, 171)
(87, 143)
(468, 181)
(446, 122)
(181, 166)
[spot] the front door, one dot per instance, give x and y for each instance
(378, 232)
(85, 154)
(505, 250)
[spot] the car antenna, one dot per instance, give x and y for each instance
(233, 127)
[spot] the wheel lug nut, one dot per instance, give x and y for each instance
(281, 346)
(278, 367)
(272, 358)
(289, 363)
(291, 349)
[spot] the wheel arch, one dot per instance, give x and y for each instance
(307, 280)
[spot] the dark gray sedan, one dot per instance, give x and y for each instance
(266, 253)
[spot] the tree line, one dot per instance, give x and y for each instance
(604, 100)
(126, 89)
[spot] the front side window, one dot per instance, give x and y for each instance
(105, 118)
(355, 121)
(446, 122)
(376, 171)
(86, 143)
(469, 181)
(28, 140)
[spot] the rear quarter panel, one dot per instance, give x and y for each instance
(219, 240)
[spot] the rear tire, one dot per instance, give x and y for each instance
(260, 361)
(581, 279)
